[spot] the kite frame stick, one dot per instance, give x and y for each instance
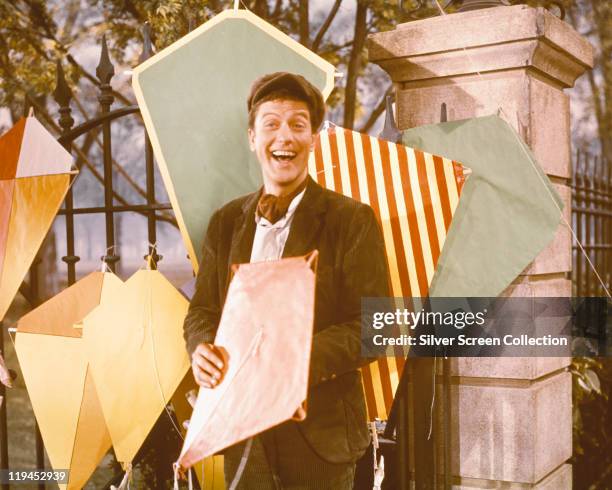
(154, 352)
(312, 259)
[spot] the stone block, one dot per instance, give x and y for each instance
(517, 368)
(540, 286)
(560, 479)
(557, 255)
(548, 128)
(537, 111)
(512, 433)
(516, 37)
(419, 103)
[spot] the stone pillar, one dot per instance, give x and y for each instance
(511, 417)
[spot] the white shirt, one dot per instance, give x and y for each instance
(270, 238)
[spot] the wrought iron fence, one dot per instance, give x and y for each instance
(63, 96)
(592, 224)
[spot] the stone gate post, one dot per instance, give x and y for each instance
(511, 417)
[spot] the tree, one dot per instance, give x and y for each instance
(593, 19)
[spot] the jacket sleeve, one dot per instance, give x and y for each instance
(204, 311)
(337, 348)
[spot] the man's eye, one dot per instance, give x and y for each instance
(270, 124)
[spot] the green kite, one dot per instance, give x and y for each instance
(193, 98)
(508, 211)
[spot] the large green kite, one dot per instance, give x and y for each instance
(508, 211)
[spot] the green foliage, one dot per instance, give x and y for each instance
(27, 55)
(592, 409)
(36, 33)
(169, 20)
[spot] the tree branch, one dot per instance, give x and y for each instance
(376, 112)
(332, 48)
(325, 26)
(277, 9)
(354, 64)
(304, 23)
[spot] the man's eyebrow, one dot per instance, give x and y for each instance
(299, 112)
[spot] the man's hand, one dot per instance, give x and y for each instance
(207, 365)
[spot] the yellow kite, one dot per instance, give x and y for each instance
(34, 178)
(135, 346)
(59, 381)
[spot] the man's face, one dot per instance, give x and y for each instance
(282, 139)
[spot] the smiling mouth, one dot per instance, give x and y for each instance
(283, 155)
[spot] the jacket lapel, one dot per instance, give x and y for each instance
(244, 232)
(307, 221)
(303, 234)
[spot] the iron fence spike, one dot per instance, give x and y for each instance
(62, 93)
(147, 45)
(105, 69)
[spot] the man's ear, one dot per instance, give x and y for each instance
(251, 133)
(313, 140)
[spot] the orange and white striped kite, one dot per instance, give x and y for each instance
(414, 196)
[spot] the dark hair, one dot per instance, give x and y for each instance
(281, 94)
(285, 85)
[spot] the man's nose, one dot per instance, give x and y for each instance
(284, 133)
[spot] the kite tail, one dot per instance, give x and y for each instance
(377, 468)
(125, 483)
(242, 465)
(176, 469)
(178, 474)
(379, 474)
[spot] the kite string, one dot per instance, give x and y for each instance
(125, 481)
(14, 332)
(574, 236)
(175, 471)
(243, 461)
(149, 319)
(104, 265)
(433, 396)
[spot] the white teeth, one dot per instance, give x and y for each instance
(280, 153)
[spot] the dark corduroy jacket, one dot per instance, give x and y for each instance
(351, 265)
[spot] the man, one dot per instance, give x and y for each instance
(291, 216)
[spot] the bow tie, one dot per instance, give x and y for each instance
(274, 207)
